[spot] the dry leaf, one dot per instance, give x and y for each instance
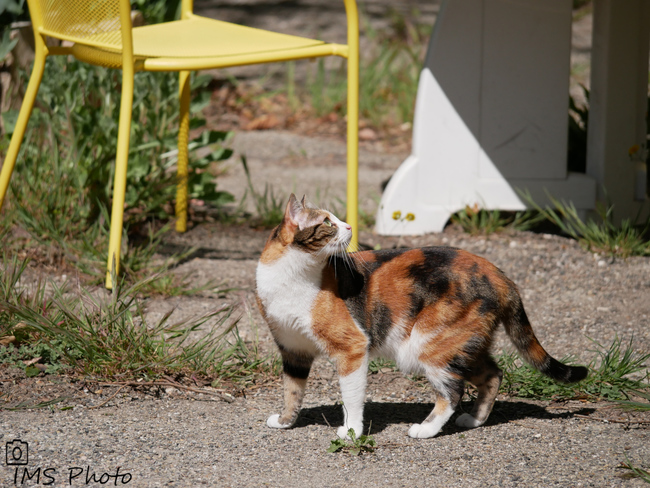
(32, 361)
(367, 134)
(264, 122)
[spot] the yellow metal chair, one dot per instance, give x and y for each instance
(102, 34)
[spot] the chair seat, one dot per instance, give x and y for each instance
(208, 38)
(200, 37)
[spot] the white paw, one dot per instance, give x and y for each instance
(423, 431)
(342, 431)
(272, 421)
(467, 421)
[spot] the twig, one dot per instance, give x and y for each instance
(613, 421)
(391, 445)
(325, 418)
(173, 384)
(110, 398)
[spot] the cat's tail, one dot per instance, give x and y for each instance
(522, 336)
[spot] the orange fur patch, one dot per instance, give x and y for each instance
(364, 257)
(451, 340)
(333, 325)
(273, 251)
(465, 261)
(391, 284)
(536, 352)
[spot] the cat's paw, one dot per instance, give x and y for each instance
(467, 421)
(423, 431)
(273, 421)
(342, 431)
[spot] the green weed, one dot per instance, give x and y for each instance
(111, 337)
(636, 406)
(61, 187)
(477, 221)
(636, 472)
(379, 364)
(355, 446)
(609, 375)
(31, 406)
(600, 236)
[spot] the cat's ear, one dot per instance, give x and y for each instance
(294, 212)
(307, 204)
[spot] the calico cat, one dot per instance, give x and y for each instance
(432, 310)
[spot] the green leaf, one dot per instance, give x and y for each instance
(336, 445)
(9, 119)
(32, 371)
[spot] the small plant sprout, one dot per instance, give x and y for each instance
(355, 446)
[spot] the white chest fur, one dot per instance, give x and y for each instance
(288, 288)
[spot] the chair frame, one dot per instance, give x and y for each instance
(129, 64)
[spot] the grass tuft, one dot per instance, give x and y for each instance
(111, 337)
(600, 236)
(477, 221)
(635, 471)
(609, 376)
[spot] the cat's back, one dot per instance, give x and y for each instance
(402, 282)
(425, 262)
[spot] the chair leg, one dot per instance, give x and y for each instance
(119, 184)
(183, 139)
(21, 123)
(353, 139)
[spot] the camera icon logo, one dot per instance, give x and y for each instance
(17, 453)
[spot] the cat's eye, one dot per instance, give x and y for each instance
(327, 222)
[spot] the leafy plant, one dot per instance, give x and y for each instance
(355, 446)
(62, 181)
(596, 236)
(475, 220)
(378, 364)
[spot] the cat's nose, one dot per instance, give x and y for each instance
(348, 226)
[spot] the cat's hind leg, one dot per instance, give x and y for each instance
(486, 376)
(294, 377)
(448, 395)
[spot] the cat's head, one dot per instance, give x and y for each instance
(311, 229)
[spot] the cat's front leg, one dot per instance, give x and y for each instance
(296, 369)
(353, 393)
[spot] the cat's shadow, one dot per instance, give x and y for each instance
(380, 415)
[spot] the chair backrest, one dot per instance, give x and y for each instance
(81, 20)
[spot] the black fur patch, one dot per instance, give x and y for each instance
(296, 370)
(379, 327)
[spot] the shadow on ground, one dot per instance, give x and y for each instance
(383, 414)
